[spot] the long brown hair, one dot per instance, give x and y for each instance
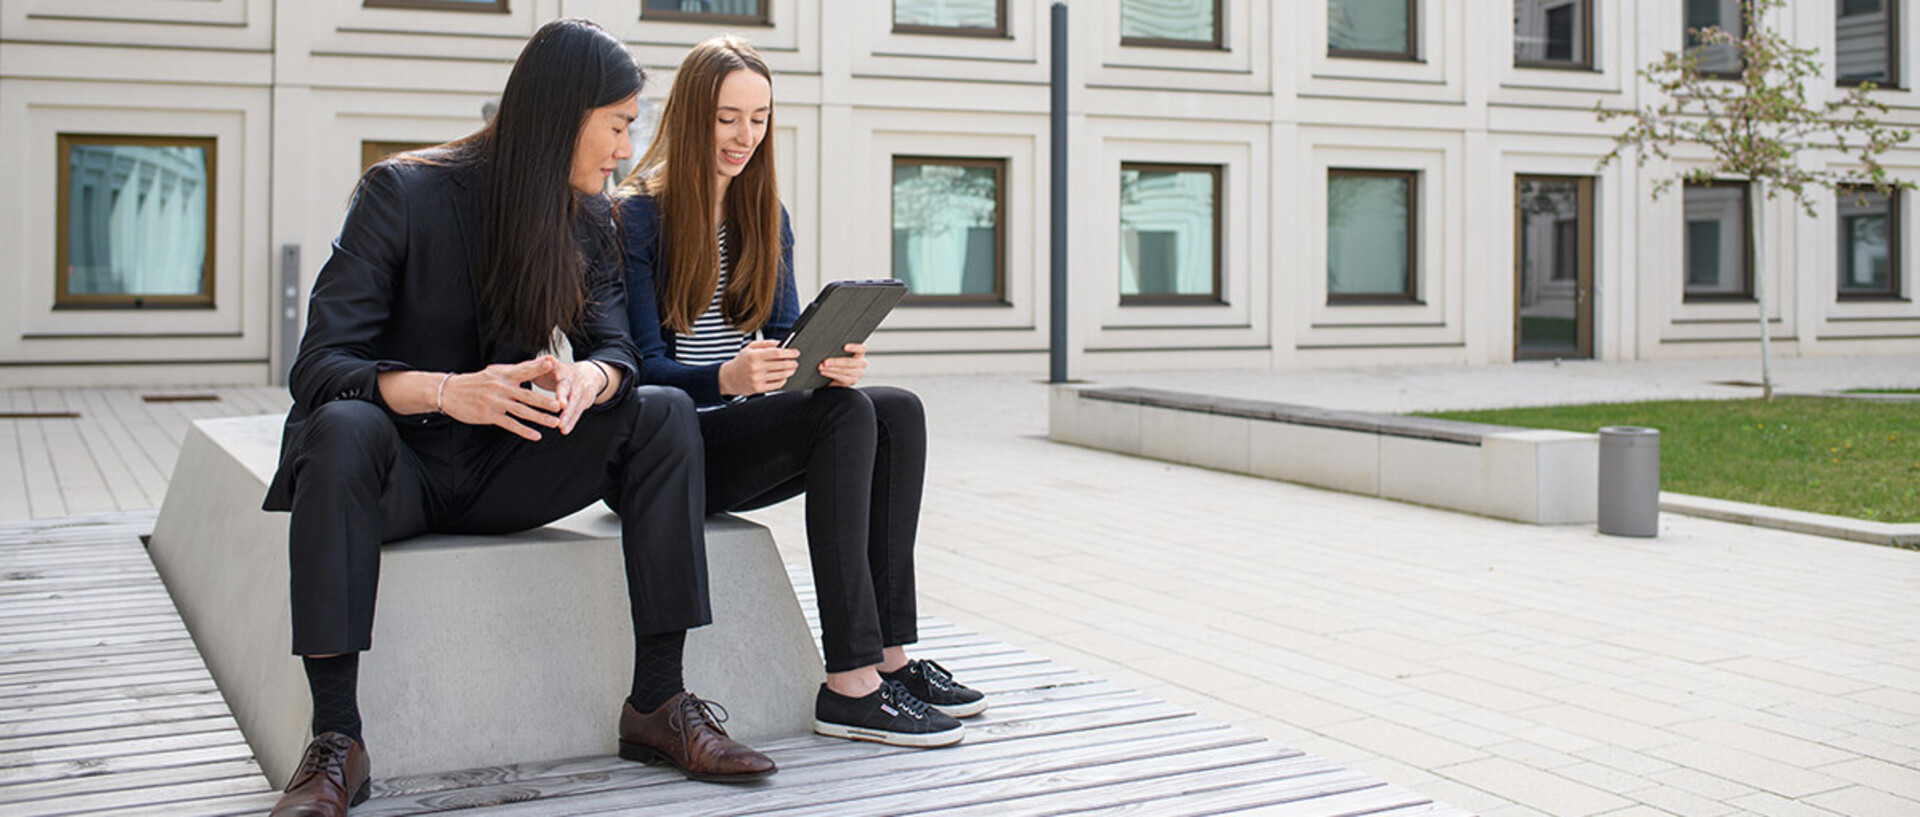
(530, 270)
(678, 171)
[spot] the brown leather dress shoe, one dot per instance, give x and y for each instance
(332, 776)
(684, 733)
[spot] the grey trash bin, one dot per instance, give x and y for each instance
(1629, 481)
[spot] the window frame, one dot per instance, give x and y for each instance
(1218, 43)
(1586, 45)
(1745, 294)
(375, 151)
(1217, 296)
(63, 233)
(487, 7)
(1893, 82)
(1412, 54)
(765, 18)
(998, 297)
(1687, 44)
(1895, 263)
(1411, 295)
(998, 31)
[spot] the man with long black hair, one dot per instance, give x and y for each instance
(463, 273)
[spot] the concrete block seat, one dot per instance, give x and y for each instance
(1529, 475)
(486, 649)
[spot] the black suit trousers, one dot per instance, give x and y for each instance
(860, 455)
(364, 478)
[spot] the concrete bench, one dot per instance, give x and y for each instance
(486, 649)
(1544, 477)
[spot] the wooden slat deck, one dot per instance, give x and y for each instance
(105, 707)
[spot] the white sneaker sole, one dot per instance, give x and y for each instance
(963, 710)
(924, 741)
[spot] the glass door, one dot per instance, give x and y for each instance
(1553, 267)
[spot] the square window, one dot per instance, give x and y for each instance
(499, 6)
(1553, 33)
(1869, 243)
(977, 18)
(1170, 23)
(135, 221)
(1371, 29)
(1718, 234)
(1371, 235)
(1169, 233)
(753, 12)
(1867, 42)
(1719, 59)
(948, 244)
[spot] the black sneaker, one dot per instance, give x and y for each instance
(933, 684)
(890, 715)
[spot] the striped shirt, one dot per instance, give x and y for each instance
(713, 339)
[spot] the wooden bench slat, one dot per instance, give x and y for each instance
(13, 764)
(1350, 793)
(171, 644)
(163, 664)
(48, 770)
(1205, 792)
(98, 734)
(1077, 780)
(101, 717)
(140, 635)
(909, 773)
(795, 754)
(252, 804)
(27, 632)
(152, 786)
(831, 765)
(21, 613)
(129, 690)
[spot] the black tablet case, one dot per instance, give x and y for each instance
(845, 312)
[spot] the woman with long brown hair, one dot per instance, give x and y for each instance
(462, 273)
(710, 289)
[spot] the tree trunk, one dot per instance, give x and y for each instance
(1756, 207)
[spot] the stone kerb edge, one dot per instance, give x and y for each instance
(1537, 476)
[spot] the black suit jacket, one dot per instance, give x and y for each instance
(399, 293)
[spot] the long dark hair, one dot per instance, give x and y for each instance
(678, 170)
(531, 273)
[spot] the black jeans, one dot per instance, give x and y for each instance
(363, 479)
(860, 455)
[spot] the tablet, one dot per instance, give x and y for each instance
(845, 312)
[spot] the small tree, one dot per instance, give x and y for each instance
(1758, 127)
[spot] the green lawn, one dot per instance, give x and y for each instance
(1855, 458)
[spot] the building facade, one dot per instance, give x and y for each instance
(1252, 183)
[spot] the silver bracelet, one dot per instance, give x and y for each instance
(441, 395)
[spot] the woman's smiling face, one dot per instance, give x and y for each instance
(740, 120)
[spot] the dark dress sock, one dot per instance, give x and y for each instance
(334, 683)
(657, 669)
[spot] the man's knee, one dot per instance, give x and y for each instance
(347, 429)
(664, 417)
(663, 407)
